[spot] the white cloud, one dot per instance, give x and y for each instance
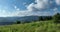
(40, 5)
(21, 13)
(15, 6)
(32, 9)
(55, 10)
(57, 2)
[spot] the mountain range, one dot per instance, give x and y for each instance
(10, 20)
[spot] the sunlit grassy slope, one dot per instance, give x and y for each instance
(39, 26)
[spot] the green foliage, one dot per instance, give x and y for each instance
(18, 22)
(56, 18)
(40, 26)
(43, 18)
(40, 18)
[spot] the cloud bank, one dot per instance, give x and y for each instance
(36, 8)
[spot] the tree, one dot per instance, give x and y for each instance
(48, 18)
(18, 22)
(44, 18)
(57, 18)
(41, 18)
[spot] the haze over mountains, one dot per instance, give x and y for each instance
(12, 19)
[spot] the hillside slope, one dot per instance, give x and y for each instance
(40, 26)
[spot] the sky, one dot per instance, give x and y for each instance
(14, 8)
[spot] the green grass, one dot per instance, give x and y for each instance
(39, 26)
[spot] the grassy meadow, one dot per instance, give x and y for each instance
(39, 26)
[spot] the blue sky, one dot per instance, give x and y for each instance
(11, 3)
(11, 8)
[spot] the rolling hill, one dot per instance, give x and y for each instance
(39, 26)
